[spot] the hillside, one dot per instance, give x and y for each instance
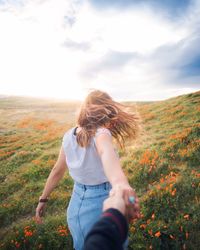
(162, 165)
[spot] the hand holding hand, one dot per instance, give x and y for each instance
(115, 201)
(132, 209)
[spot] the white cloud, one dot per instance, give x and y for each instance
(127, 31)
(62, 48)
(33, 61)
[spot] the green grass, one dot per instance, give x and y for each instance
(162, 165)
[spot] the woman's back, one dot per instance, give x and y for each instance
(84, 163)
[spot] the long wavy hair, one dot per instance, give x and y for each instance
(100, 110)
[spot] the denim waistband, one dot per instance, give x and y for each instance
(105, 185)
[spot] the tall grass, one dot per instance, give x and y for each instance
(162, 165)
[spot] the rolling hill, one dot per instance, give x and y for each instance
(163, 165)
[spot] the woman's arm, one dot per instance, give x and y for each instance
(115, 174)
(54, 177)
(110, 160)
(56, 174)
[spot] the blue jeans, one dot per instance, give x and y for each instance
(85, 208)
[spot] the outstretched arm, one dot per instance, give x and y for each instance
(110, 160)
(115, 174)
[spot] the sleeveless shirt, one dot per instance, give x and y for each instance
(84, 163)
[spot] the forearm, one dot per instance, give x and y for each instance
(113, 168)
(119, 179)
(51, 182)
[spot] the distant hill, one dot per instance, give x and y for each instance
(163, 166)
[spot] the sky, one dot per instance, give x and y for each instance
(135, 50)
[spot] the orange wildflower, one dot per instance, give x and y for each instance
(62, 231)
(143, 226)
(162, 180)
(158, 187)
(173, 192)
(36, 162)
(148, 221)
(158, 234)
(28, 233)
(145, 158)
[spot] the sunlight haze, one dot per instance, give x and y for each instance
(63, 48)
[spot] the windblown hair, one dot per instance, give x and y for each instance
(100, 110)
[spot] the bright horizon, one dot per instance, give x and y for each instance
(135, 51)
(63, 99)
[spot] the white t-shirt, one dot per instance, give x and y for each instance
(84, 164)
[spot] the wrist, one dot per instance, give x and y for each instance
(43, 198)
(120, 182)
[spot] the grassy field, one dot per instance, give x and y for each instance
(163, 165)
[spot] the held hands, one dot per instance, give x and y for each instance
(123, 198)
(115, 201)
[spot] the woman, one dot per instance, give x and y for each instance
(87, 151)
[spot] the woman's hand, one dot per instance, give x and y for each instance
(39, 212)
(132, 210)
(115, 201)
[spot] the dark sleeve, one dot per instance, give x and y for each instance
(109, 233)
